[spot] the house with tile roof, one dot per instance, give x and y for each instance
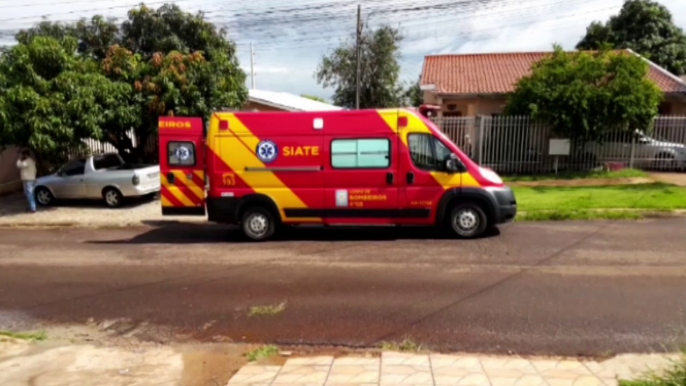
(478, 84)
(263, 100)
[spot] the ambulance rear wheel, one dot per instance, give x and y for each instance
(468, 220)
(258, 224)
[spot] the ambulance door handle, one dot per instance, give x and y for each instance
(410, 178)
(389, 178)
(170, 177)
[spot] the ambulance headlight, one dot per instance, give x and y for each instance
(490, 175)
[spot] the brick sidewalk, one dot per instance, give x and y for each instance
(396, 369)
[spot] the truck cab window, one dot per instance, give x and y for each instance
(74, 168)
(442, 154)
(106, 161)
(427, 152)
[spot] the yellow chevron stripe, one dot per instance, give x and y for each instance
(175, 191)
(239, 154)
(198, 191)
(165, 202)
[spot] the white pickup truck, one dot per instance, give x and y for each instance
(104, 176)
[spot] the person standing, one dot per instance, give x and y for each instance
(27, 170)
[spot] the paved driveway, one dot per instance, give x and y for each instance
(543, 288)
(13, 211)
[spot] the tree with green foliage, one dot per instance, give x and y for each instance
(94, 36)
(413, 95)
(379, 70)
(51, 98)
(168, 29)
(647, 28)
(174, 83)
(583, 95)
(314, 98)
(171, 61)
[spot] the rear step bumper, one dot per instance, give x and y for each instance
(180, 211)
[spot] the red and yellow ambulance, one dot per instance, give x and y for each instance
(361, 167)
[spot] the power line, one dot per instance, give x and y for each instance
(378, 3)
(28, 17)
(338, 33)
(474, 32)
(330, 11)
(419, 21)
(90, 10)
(306, 40)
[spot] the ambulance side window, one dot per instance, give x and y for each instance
(427, 152)
(369, 153)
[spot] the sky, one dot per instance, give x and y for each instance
(290, 37)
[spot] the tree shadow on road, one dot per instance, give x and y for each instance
(172, 232)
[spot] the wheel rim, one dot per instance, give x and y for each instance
(112, 197)
(665, 161)
(258, 225)
(43, 197)
(466, 221)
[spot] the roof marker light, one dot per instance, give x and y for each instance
(318, 123)
(402, 121)
(223, 125)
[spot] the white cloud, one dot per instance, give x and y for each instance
(267, 69)
(287, 53)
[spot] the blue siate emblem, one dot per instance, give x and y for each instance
(267, 151)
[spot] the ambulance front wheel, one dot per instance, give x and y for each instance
(258, 224)
(468, 220)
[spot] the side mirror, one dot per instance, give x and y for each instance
(454, 165)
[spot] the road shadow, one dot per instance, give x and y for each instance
(129, 203)
(174, 232)
(15, 204)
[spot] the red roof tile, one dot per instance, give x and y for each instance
(498, 73)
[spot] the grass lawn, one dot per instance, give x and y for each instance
(566, 203)
(625, 173)
(675, 376)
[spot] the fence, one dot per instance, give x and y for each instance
(93, 146)
(517, 145)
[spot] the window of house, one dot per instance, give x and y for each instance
(370, 153)
(74, 168)
(665, 108)
(428, 153)
(181, 153)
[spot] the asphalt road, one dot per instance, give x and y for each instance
(571, 288)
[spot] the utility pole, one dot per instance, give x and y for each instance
(252, 66)
(357, 56)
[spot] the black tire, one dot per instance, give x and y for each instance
(113, 197)
(258, 223)
(44, 196)
(467, 220)
(665, 161)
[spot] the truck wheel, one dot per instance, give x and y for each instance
(258, 224)
(665, 161)
(44, 196)
(113, 197)
(468, 220)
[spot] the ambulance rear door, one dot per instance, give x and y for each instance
(182, 166)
